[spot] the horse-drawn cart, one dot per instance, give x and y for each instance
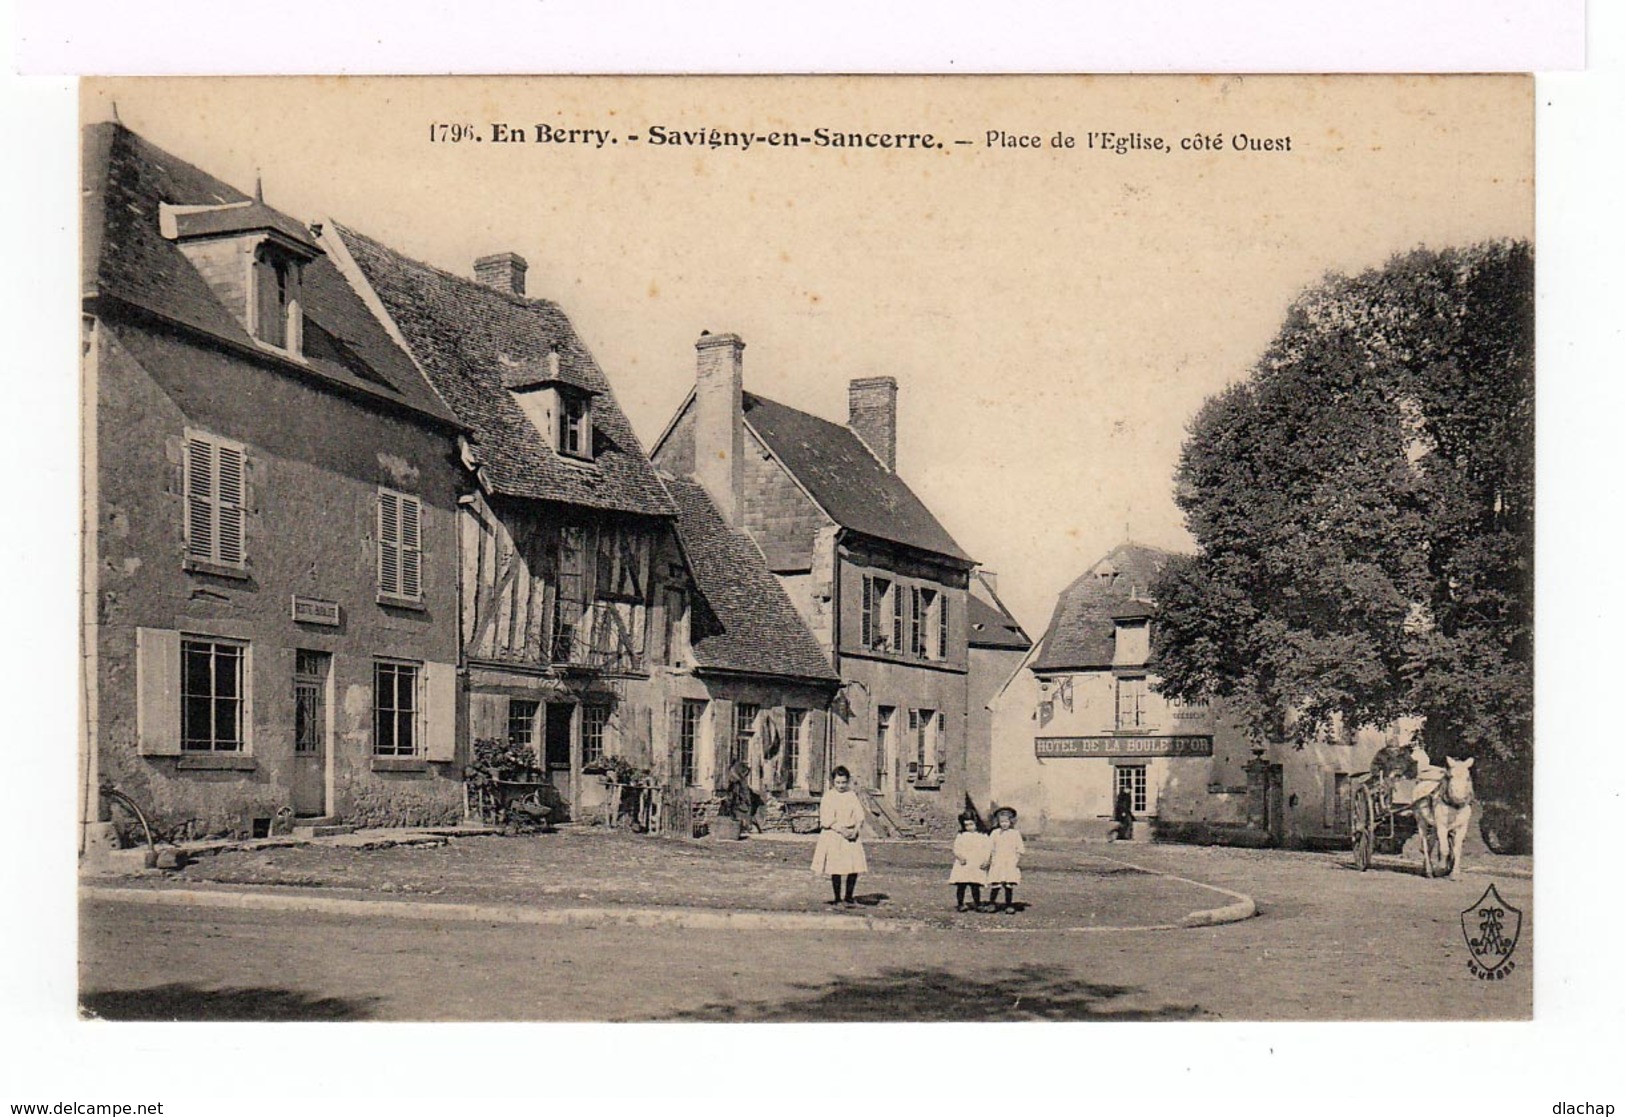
(1382, 815)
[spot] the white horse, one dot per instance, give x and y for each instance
(1442, 816)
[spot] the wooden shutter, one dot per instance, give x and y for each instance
(389, 543)
(229, 486)
(814, 731)
(200, 518)
(941, 758)
(868, 612)
(722, 733)
(487, 717)
(440, 714)
(411, 513)
(669, 760)
(158, 691)
(942, 626)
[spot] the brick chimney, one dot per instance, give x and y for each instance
(505, 271)
(719, 420)
(872, 411)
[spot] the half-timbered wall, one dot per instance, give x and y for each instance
(544, 590)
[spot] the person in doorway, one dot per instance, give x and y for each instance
(1003, 870)
(839, 852)
(972, 851)
(1123, 815)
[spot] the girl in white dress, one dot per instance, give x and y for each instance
(972, 850)
(839, 852)
(1002, 869)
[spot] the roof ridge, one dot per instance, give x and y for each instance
(472, 284)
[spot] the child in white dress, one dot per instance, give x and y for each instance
(1002, 869)
(972, 849)
(839, 852)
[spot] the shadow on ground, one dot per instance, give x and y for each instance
(188, 1002)
(1032, 992)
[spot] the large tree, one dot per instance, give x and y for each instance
(1363, 507)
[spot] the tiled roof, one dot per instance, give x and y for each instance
(472, 340)
(241, 217)
(992, 627)
(846, 479)
(1082, 632)
(124, 256)
(745, 621)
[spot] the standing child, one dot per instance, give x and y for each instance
(839, 851)
(1002, 869)
(972, 850)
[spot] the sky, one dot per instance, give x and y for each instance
(1054, 315)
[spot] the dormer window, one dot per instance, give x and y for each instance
(575, 426)
(253, 258)
(277, 317)
(557, 404)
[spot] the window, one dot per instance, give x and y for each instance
(688, 738)
(277, 317)
(593, 720)
(926, 729)
(1131, 777)
(522, 721)
(309, 701)
(794, 719)
(569, 599)
(744, 729)
(1131, 711)
(575, 426)
(214, 500)
(400, 545)
(394, 708)
(211, 696)
(878, 632)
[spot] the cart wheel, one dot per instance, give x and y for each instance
(1360, 828)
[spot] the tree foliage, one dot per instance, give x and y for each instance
(1363, 506)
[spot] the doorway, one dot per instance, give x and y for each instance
(557, 739)
(312, 672)
(1274, 805)
(886, 753)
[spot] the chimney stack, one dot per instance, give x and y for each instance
(872, 415)
(505, 271)
(719, 421)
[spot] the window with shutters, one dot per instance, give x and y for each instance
(575, 425)
(215, 503)
(394, 708)
(400, 547)
(211, 696)
(926, 729)
(879, 614)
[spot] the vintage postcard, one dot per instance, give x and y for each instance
(808, 549)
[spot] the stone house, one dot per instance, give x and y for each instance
(1082, 720)
(998, 647)
(880, 583)
(270, 495)
(606, 611)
